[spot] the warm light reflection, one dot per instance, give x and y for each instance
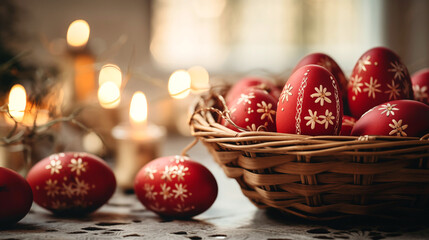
(209, 8)
(179, 84)
(199, 79)
(17, 102)
(112, 73)
(78, 33)
(36, 117)
(109, 95)
(138, 109)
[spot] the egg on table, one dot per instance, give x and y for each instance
(406, 118)
(379, 76)
(175, 187)
(72, 183)
(310, 103)
(16, 197)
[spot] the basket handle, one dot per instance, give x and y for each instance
(187, 148)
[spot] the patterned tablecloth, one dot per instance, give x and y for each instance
(231, 217)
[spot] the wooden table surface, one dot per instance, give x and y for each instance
(232, 216)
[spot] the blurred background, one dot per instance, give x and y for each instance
(149, 40)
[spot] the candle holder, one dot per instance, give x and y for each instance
(135, 148)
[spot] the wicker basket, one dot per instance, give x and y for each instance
(318, 177)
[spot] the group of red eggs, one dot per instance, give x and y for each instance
(380, 98)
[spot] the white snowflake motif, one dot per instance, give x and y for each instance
(181, 172)
(398, 69)
(81, 188)
(169, 173)
(349, 122)
(266, 110)
(398, 128)
(322, 95)
(372, 87)
(232, 110)
(312, 119)
(252, 127)
(394, 90)
(78, 166)
(54, 166)
(150, 194)
(79, 154)
(363, 62)
(388, 109)
(165, 191)
(326, 119)
(149, 172)
(58, 205)
(180, 208)
(246, 98)
(157, 208)
(420, 93)
(356, 84)
(326, 63)
(68, 190)
(51, 188)
(180, 191)
(179, 159)
(286, 93)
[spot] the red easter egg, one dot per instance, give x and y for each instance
(406, 118)
(251, 82)
(72, 183)
(253, 110)
(15, 197)
(347, 125)
(379, 76)
(420, 81)
(327, 62)
(175, 187)
(310, 103)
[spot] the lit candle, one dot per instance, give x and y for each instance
(109, 95)
(138, 142)
(11, 156)
(17, 102)
(180, 84)
(84, 79)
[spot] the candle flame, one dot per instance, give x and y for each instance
(78, 33)
(112, 73)
(109, 95)
(17, 102)
(179, 84)
(138, 108)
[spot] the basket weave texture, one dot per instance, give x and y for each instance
(318, 177)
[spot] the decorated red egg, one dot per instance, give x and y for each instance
(420, 81)
(175, 187)
(379, 76)
(310, 103)
(253, 110)
(15, 197)
(407, 118)
(347, 125)
(327, 62)
(251, 82)
(72, 183)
